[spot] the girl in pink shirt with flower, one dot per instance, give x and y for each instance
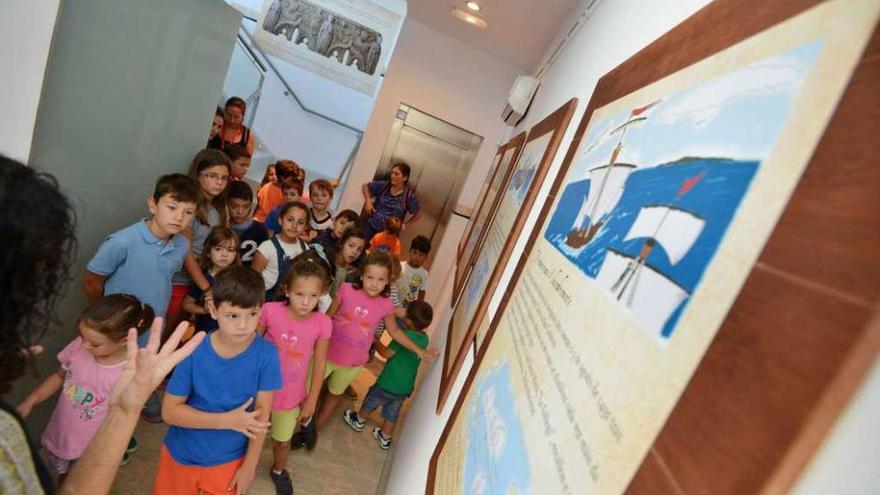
(356, 310)
(90, 366)
(301, 334)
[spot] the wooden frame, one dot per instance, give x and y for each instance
(501, 174)
(754, 411)
(553, 125)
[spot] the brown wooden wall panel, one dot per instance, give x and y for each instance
(757, 385)
(830, 232)
(800, 317)
(655, 478)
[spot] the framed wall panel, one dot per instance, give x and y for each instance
(648, 340)
(514, 203)
(498, 178)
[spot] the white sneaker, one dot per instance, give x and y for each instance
(384, 442)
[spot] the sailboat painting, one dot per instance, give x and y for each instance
(647, 201)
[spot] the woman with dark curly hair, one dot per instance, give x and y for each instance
(38, 226)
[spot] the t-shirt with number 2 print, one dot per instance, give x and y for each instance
(354, 325)
(250, 236)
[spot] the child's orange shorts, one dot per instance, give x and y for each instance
(175, 478)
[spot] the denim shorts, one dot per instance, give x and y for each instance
(389, 402)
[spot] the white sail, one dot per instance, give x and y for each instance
(649, 296)
(606, 188)
(674, 229)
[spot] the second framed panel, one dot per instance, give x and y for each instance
(515, 202)
(504, 159)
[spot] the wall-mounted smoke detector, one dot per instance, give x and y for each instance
(470, 18)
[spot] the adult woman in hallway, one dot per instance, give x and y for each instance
(384, 199)
(234, 132)
(37, 256)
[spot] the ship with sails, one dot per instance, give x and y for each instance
(606, 185)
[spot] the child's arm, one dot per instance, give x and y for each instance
(246, 472)
(191, 265)
(190, 305)
(319, 366)
(334, 307)
(93, 285)
(251, 424)
(402, 339)
(50, 386)
(259, 262)
(384, 350)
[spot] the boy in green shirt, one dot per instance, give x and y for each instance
(398, 379)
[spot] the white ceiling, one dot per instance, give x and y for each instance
(519, 31)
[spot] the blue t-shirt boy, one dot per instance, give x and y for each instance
(215, 384)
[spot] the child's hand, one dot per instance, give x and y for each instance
(307, 411)
(430, 355)
(24, 409)
(242, 480)
(246, 423)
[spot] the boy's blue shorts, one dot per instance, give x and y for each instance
(389, 402)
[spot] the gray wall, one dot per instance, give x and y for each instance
(129, 94)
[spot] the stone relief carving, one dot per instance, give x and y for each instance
(325, 33)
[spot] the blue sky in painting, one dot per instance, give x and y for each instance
(737, 115)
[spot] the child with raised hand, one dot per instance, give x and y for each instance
(292, 192)
(389, 239)
(220, 251)
(398, 378)
(356, 311)
(301, 335)
(219, 398)
(250, 232)
(274, 257)
(320, 215)
(330, 238)
(90, 366)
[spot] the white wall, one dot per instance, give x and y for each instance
(847, 462)
(454, 82)
(26, 29)
(613, 34)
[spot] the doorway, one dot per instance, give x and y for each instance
(440, 156)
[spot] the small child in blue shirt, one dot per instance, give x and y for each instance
(141, 258)
(219, 399)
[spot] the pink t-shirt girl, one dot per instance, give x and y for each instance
(82, 404)
(295, 341)
(354, 325)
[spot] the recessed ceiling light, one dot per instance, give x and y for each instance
(470, 18)
(473, 6)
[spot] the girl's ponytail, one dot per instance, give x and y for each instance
(116, 313)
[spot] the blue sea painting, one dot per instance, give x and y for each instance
(496, 459)
(649, 199)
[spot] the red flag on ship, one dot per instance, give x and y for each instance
(690, 183)
(639, 111)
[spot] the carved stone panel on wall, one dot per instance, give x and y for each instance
(347, 41)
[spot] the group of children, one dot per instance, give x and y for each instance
(294, 301)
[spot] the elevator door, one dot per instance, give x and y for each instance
(440, 156)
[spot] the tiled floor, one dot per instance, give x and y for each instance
(344, 462)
